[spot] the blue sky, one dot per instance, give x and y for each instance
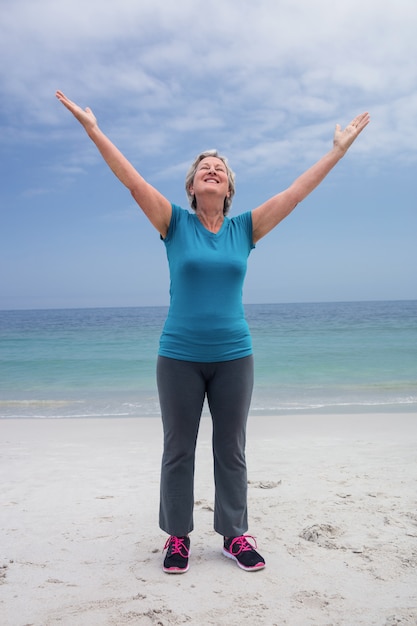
(263, 82)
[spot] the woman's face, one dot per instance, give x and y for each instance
(211, 177)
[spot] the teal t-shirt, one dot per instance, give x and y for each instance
(206, 321)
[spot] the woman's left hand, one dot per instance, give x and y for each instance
(343, 139)
(85, 116)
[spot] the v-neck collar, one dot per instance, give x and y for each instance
(207, 231)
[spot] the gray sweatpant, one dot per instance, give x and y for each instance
(182, 387)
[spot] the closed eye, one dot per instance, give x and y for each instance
(218, 168)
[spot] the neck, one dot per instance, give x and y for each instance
(211, 219)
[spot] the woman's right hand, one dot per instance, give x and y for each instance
(155, 206)
(85, 116)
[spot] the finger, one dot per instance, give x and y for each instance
(69, 104)
(60, 95)
(360, 121)
(62, 98)
(364, 120)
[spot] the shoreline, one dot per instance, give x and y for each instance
(332, 503)
(284, 413)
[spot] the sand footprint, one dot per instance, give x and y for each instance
(203, 504)
(322, 534)
(264, 484)
(3, 573)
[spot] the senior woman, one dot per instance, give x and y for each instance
(205, 347)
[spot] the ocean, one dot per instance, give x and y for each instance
(309, 358)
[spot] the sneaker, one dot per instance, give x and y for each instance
(178, 551)
(240, 550)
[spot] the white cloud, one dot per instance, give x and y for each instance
(264, 75)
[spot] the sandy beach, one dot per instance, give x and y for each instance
(332, 503)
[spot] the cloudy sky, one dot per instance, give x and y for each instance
(264, 82)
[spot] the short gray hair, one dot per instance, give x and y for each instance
(191, 173)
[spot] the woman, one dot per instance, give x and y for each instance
(205, 348)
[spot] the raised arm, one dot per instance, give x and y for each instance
(266, 216)
(155, 206)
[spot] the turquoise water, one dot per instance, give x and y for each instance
(330, 357)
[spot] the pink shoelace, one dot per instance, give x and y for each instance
(178, 546)
(243, 544)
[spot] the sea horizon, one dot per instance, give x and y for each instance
(166, 306)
